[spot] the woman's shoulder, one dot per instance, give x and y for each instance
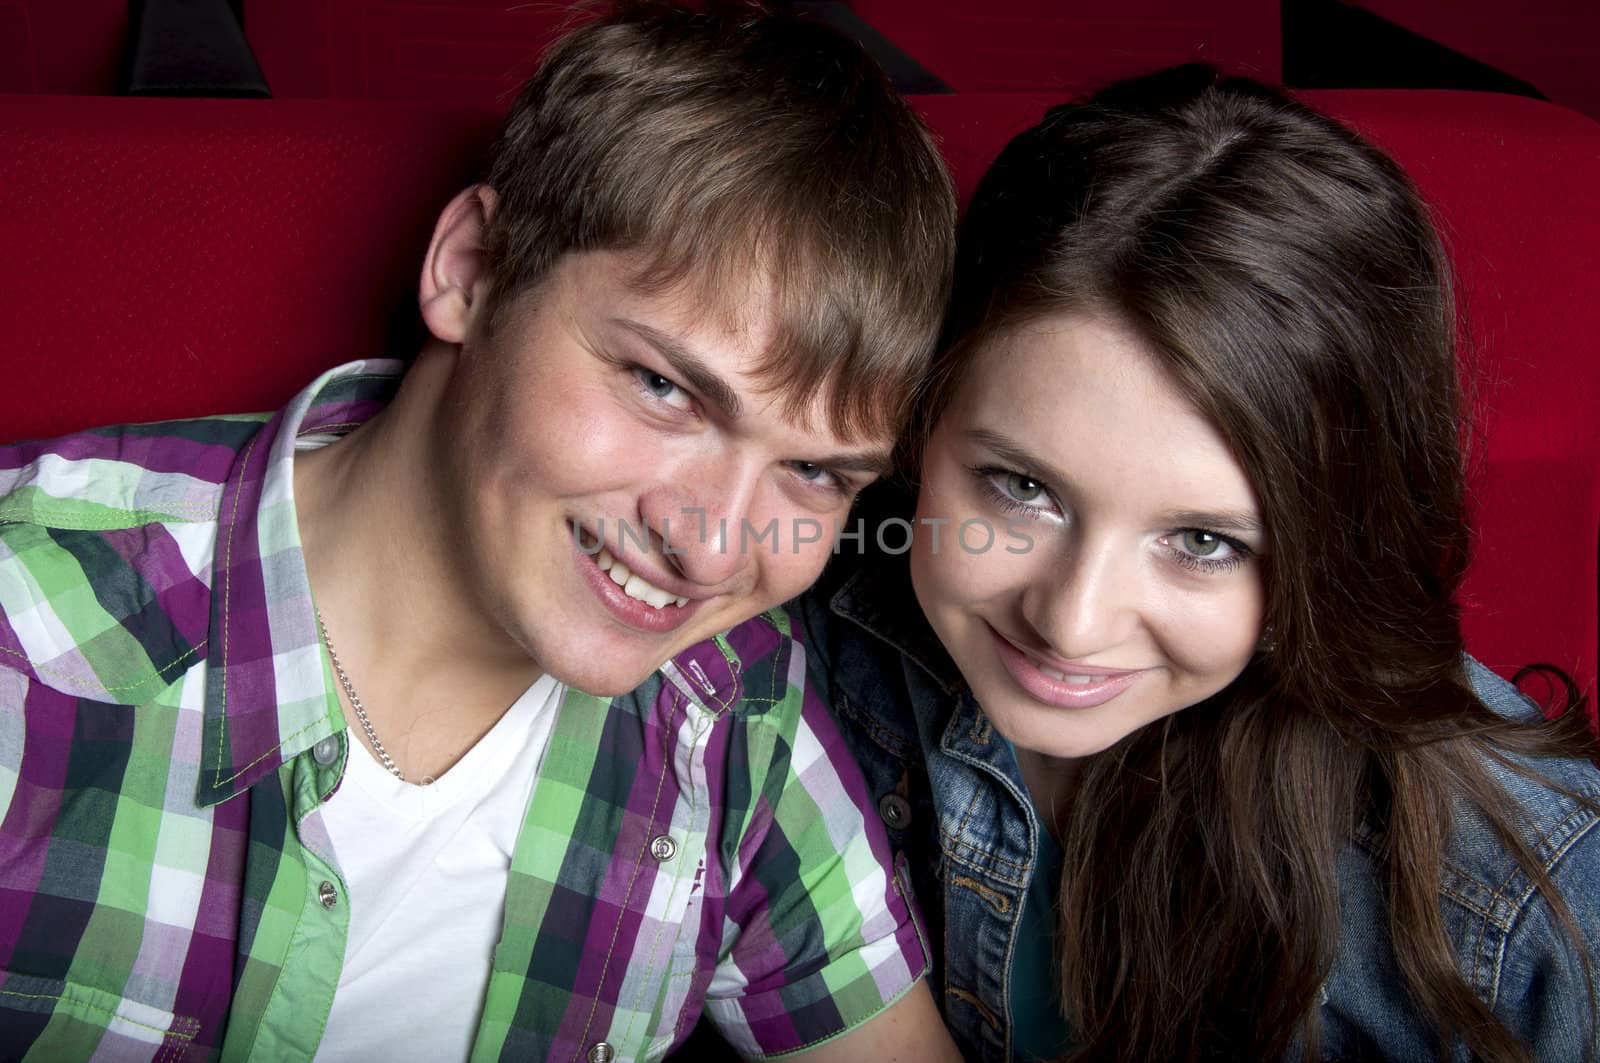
(1553, 803)
(1529, 948)
(1512, 937)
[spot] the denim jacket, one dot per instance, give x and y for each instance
(949, 790)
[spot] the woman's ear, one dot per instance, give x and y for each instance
(455, 273)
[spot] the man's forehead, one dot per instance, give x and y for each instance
(748, 340)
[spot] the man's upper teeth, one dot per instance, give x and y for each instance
(633, 584)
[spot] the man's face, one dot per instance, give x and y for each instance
(623, 484)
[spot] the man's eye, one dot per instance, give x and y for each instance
(816, 475)
(661, 388)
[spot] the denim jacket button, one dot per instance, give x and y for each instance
(895, 810)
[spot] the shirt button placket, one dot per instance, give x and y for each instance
(663, 848)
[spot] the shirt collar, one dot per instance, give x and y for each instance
(269, 695)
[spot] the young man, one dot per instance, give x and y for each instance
(671, 336)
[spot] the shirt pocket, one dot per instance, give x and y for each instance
(52, 1019)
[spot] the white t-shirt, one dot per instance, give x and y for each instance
(425, 871)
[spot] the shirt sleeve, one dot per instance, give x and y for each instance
(821, 931)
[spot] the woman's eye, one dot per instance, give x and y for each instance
(1022, 488)
(1015, 492)
(1204, 551)
(1202, 543)
(661, 388)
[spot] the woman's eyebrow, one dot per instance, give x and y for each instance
(1008, 450)
(1014, 453)
(1216, 520)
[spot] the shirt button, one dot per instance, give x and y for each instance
(601, 1052)
(895, 810)
(327, 894)
(326, 751)
(662, 847)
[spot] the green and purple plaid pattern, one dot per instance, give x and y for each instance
(169, 731)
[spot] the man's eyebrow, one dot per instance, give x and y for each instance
(698, 375)
(687, 365)
(875, 462)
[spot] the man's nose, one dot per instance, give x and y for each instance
(701, 519)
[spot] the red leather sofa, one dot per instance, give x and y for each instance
(162, 258)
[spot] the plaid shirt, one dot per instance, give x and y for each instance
(169, 730)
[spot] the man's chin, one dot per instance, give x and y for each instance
(625, 668)
(610, 678)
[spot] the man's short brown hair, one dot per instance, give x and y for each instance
(727, 139)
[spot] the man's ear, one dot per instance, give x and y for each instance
(455, 273)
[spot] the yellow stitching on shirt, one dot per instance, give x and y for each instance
(227, 601)
(661, 925)
(77, 1002)
(43, 670)
(121, 520)
(627, 895)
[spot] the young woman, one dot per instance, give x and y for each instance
(1184, 749)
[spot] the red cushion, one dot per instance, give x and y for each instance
(51, 46)
(1050, 46)
(1551, 45)
(174, 257)
(472, 52)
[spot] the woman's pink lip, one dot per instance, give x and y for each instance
(1028, 675)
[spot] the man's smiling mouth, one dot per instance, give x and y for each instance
(633, 584)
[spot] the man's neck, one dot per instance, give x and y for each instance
(433, 670)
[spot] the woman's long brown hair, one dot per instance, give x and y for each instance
(1287, 274)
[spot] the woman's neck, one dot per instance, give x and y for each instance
(1051, 782)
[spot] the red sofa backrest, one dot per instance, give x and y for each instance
(177, 257)
(51, 46)
(1058, 45)
(168, 258)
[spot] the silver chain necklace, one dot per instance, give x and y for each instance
(355, 703)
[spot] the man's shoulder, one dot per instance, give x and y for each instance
(106, 539)
(123, 475)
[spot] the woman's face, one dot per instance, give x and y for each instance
(1124, 581)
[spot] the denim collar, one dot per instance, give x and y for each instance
(879, 599)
